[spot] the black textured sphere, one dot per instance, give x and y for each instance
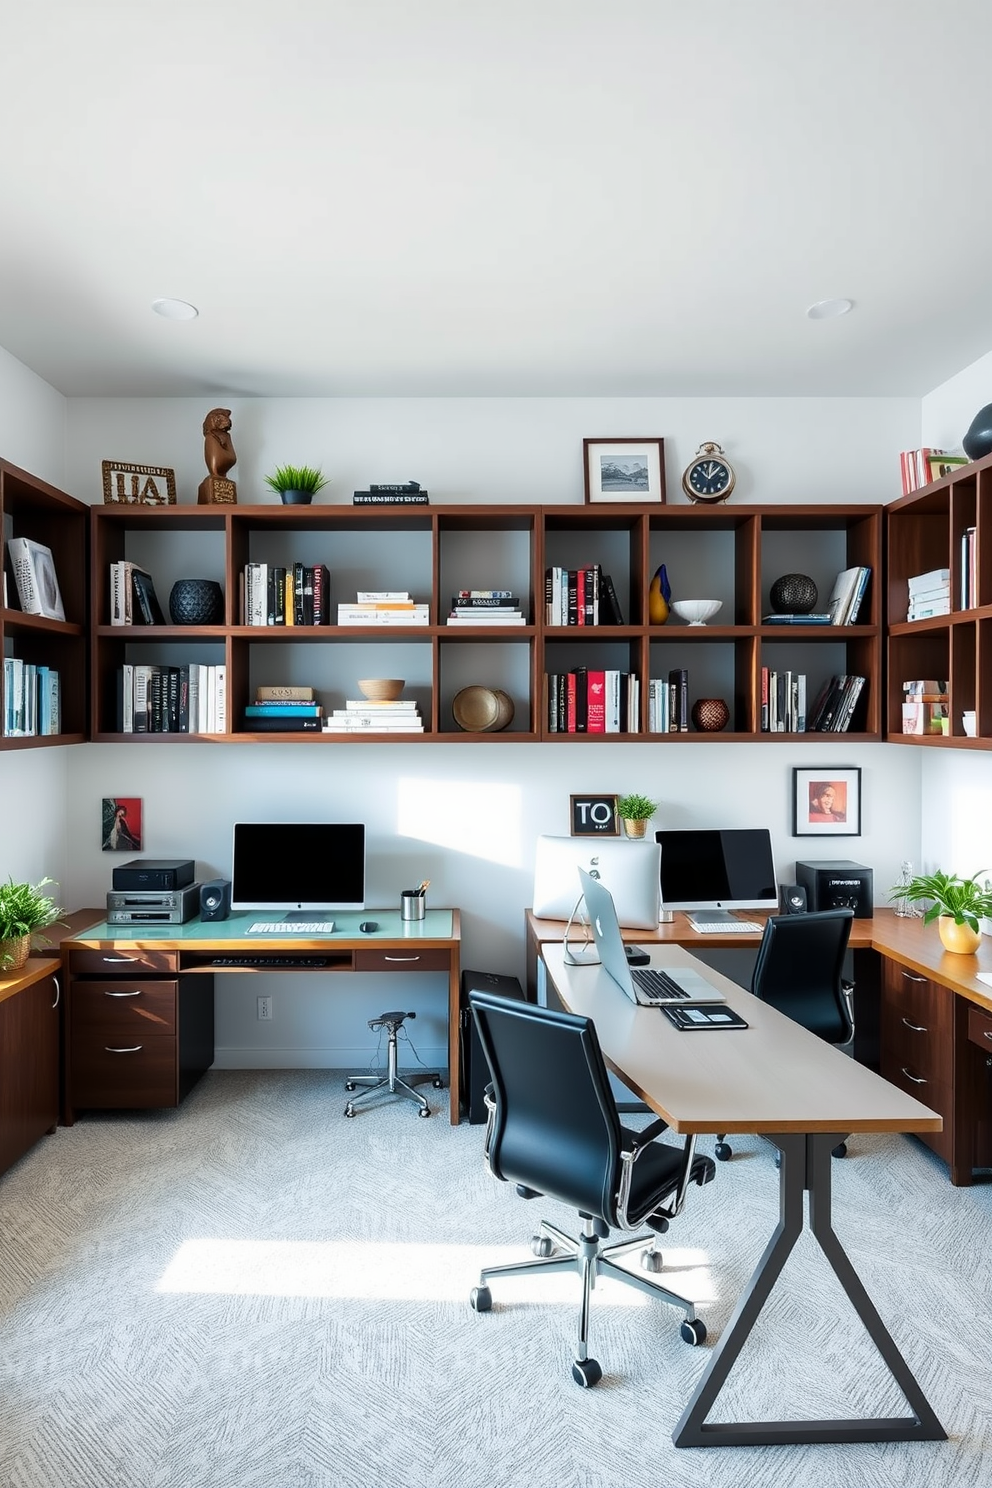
(978, 440)
(196, 602)
(793, 594)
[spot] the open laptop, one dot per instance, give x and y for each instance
(648, 987)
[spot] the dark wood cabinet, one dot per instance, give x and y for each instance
(29, 1061)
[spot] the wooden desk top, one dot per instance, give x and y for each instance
(439, 929)
(773, 1076)
(680, 932)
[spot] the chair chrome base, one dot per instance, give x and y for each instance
(591, 1258)
(390, 1083)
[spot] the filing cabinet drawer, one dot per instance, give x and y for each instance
(116, 961)
(980, 1028)
(412, 959)
(932, 1093)
(123, 1006)
(917, 1025)
(119, 1073)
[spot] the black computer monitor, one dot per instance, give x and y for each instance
(299, 867)
(707, 873)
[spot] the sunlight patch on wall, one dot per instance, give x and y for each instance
(476, 817)
(358, 1270)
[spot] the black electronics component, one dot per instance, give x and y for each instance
(215, 899)
(791, 899)
(474, 1067)
(368, 927)
(154, 873)
(153, 906)
(837, 884)
(636, 955)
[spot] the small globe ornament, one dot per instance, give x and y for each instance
(196, 602)
(793, 594)
(710, 715)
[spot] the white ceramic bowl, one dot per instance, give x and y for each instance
(697, 611)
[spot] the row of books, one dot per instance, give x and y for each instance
(485, 607)
(586, 701)
(929, 594)
(921, 466)
(133, 600)
(668, 703)
(783, 702)
(296, 709)
(580, 596)
(834, 706)
(31, 699)
(298, 594)
(847, 595)
(384, 607)
(188, 699)
(925, 706)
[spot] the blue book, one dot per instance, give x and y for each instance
(284, 710)
(795, 620)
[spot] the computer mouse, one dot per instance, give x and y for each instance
(367, 926)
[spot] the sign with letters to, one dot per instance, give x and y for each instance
(594, 816)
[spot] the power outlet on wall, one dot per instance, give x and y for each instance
(265, 1009)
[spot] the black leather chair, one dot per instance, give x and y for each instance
(553, 1129)
(799, 970)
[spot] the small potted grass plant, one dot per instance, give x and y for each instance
(958, 904)
(296, 485)
(635, 811)
(25, 909)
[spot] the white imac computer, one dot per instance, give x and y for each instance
(708, 874)
(628, 869)
(298, 869)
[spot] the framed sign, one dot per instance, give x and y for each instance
(826, 801)
(138, 485)
(624, 469)
(594, 816)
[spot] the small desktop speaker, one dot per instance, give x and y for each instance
(215, 899)
(791, 899)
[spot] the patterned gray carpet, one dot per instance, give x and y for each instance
(253, 1292)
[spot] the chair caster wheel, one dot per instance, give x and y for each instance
(586, 1372)
(349, 1085)
(840, 1150)
(424, 1112)
(723, 1152)
(438, 1084)
(693, 1333)
(349, 1109)
(481, 1299)
(652, 1260)
(542, 1246)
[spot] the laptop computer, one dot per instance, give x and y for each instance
(648, 987)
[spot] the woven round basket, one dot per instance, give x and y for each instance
(793, 594)
(710, 715)
(482, 710)
(196, 602)
(14, 953)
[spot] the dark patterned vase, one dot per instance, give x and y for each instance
(978, 440)
(710, 715)
(196, 602)
(793, 594)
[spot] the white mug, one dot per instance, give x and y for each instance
(968, 724)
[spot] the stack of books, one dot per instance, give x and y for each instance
(171, 699)
(588, 701)
(408, 493)
(783, 702)
(485, 607)
(383, 607)
(833, 708)
(133, 600)
(278, 595)
(31, 699)
(929, 594)
(925, 706)
(580, 596)
(847, 595)
(363, 716)
(818, 619)
(919, 467)
(284, 710)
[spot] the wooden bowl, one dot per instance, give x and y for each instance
(382, 689)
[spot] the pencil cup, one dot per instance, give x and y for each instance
(413, 904)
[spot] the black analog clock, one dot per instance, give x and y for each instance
(708, 477)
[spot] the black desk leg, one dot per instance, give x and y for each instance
(805, 1166)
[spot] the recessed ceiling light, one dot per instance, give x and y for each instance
(829, 309)
(175, 309)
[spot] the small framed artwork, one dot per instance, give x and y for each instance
(826, 801)
(594, 816)
(624, 469)
(121, 824)
(138, 485)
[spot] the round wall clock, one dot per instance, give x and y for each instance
(708, 477)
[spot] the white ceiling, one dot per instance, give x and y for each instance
(505, 197)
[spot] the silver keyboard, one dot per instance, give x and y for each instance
(737, 927)
(291, 927)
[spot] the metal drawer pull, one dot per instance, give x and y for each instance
(120, 960)
(916, 1079)
(985, 1032)
(910, 978)
(401, 958)
(134, 1049)
(58, 991)
(135, 993)
(916, 1027)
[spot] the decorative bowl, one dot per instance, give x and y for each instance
(196, 602)
(793, 594)
(482, 710)
(697, 611)
(382, 689)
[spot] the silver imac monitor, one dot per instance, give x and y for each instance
(298, 868)
(708, 873)
(628, 869)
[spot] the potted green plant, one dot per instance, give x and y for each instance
(25, 909)
(296, 485)
(957, 905)
(635, 811)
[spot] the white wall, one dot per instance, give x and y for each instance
(32, 781)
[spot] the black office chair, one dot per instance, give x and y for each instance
(799, 970)
(553, 1129)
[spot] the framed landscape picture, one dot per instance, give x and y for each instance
(624, 470)
(826, 801)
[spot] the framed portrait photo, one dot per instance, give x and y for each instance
(594, 816)
(624, 470)
(826, 801)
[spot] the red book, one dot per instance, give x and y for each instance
(596, 704)
(580, 596)
(570, 704)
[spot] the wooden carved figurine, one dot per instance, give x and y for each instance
(218, 452)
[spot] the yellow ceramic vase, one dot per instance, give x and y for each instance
(658, 606)
(959, 938)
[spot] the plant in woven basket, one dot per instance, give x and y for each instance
(25, 909)
(636, 808)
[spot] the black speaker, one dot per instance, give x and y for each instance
(215, 899)
(791, 899)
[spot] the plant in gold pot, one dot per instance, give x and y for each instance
(635, 812)
(957, 905)
(25, 909)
